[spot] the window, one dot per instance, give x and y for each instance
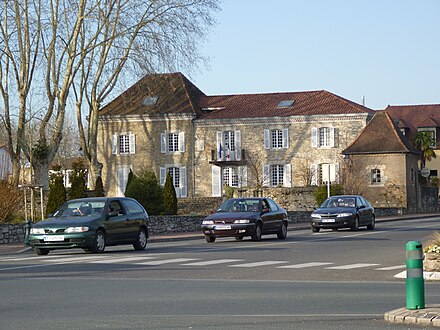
(375, 176)
(430, 132)
(132, 206)
(323, 137)
(285, 104)
(322, 173)
(178, 178)
(228, 145)
(230, 176)
(123, 144)
(433, 173)
(276, 175)
(171, 142)
(276, 138)
(412, 176)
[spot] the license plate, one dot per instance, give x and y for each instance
(328, 220)
(222, 227)
(54, 238)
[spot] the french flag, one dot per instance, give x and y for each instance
(220, 151)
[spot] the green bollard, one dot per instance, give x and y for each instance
(415, 285)
(27, 228)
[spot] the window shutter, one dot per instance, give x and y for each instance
(266, 139)
(314, 137)
(122, 178)
(182, 183)
(286, 138)
(314, 174)
(216, 181)
(332, 137)
(337, 172)
(237, 145)
(163, 143)
(132, 143)
(181, 141)
(162, 176)
(220, 151)
(242, 170)
(287, 176)
(115, 144)
(266, 175)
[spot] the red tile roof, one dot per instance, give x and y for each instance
(381, 135)
(266, 105)
(177, 95)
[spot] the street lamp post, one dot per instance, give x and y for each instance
(328, 182)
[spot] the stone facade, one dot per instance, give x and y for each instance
(299, 153)
(11, 234)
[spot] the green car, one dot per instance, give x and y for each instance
(92, 224)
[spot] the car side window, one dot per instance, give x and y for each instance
(272, 205)
(359, 202)
(133, 207)
(365, 202)
(115, 208)
(264, 204)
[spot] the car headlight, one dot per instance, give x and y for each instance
(37, 231)
(76, 230)
(340, 215)
(207, 222)
(316, 216)
(242, 221)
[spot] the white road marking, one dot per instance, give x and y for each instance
(392, 267)
(353, 266)
(118, 260)
(162, 262)
(77, 259)
(212, 262)
(307, 264)
(260, 263)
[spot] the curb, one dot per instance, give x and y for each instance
(429, 316)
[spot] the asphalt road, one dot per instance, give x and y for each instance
(326, 280)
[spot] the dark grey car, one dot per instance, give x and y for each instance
(344, 211)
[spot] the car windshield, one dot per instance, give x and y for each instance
(80, 208)
(240, 205)
(339, 202)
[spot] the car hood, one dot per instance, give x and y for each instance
(232, 215)
(66, 221)
(335, 210)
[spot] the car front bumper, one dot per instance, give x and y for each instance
(62, 241)
(341, 222)
(229, 230)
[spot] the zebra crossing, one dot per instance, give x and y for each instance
(167, 259)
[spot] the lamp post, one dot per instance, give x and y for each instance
(328, 181)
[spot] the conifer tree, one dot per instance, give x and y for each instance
(99, 188)
(79, 180)
(147, 191)
(57, 194)
(169, 196)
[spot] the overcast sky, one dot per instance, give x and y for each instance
(385, 50)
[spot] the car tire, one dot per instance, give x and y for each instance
(141, 240)
(282, 234)
(98, 242)
(355, 226)
(238, 238)
(41, 252)
(315, 229)
(210, 239)
(258, 232)
(372, 223)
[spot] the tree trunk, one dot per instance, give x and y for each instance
(41, 173)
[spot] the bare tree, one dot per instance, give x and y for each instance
(150, 34)
(305, 172)
(255, 165)
(54, 45)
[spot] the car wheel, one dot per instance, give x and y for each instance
(315, 229)
(355, 226)
(210, 239)
(282, 234)
(372, 223)
(99, 242)
(41, 252)
(258, 232)
(238, 238)
(141, 241)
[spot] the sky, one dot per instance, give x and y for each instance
(387, 51)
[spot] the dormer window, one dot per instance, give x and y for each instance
(150, 100)
(285, 104)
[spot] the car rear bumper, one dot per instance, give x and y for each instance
(235, 230)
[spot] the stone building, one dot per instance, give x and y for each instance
(164, 123)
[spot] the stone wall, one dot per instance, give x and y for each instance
(198, 206)
(10, 234)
